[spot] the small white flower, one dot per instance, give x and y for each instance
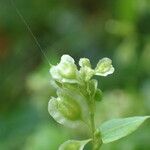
(65, 71)
(104, 67)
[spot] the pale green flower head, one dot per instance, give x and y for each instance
(65, 71)
(104, 67)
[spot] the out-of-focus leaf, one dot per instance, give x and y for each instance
(73, 145)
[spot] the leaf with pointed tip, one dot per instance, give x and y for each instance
(118, 128)
(73, 145)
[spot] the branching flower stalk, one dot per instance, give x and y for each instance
(77, 93)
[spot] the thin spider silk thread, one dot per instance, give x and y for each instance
(29, 30)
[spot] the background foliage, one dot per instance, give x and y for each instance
(94, 29)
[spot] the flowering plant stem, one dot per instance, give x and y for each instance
(95, 145)
(92, 127)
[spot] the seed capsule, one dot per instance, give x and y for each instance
(69, 108)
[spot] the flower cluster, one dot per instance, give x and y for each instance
(74, 105)
(76, 89)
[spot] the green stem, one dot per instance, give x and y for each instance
(95, 135)
(96, 142)
(92, 129)
(92, 124)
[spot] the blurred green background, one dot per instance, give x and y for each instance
(117, 29)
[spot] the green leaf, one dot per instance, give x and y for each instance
(73, 145)
(118, 128)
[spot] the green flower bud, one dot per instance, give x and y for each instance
(65, 71)
(98, 95)
(84, 62)
(104, 67)
(86, 72)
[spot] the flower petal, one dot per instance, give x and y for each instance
(67, 58)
